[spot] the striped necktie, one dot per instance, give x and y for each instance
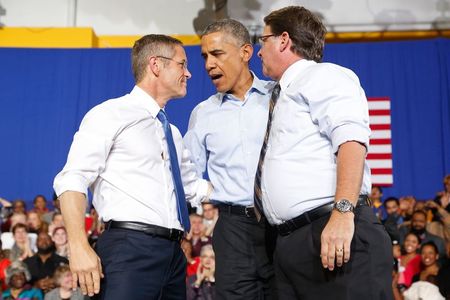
(257, 193)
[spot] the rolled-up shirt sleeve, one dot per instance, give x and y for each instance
(339, 106)
(88, 152)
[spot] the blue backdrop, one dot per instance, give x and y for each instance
(44, 93)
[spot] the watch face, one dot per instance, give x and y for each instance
(344, 205)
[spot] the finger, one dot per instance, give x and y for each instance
(96, 276)
(324, 253)
(74, 281)
(100, 268)
(347, 251)
(331, 255)
(82, 282)
(339, 255)
(89, 283)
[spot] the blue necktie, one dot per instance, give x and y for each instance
(183, 215)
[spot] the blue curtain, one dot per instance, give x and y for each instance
(44, 94)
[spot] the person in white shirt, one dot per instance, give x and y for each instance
(135, 164)
(312, 181)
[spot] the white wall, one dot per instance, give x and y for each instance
(137, 17)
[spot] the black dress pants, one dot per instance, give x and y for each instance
(367, 276)
(138, 266)
(243, 267)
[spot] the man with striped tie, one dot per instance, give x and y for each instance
(134, 161)
(312, 179)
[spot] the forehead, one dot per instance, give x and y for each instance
(219, 40)
(267, 30)
(179, 52)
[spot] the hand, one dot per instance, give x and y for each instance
(336, 239)
(86, 269)
(200, 274)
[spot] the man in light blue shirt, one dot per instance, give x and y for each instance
(225, 136)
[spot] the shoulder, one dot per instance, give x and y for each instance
(330, 72)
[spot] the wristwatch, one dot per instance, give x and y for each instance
(343, 206)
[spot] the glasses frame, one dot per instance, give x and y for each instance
(183, 64)
(263, 38)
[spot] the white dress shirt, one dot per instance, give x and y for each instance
(320, 107)
(121, 153)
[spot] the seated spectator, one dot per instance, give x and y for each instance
(210, 216)
(197, 234)
(63, 280)
(35, 224)
(443, 198)
(407, 207)
(43, 264)
(429, 262)
(202, 285)
(17, 277)
(4, 264)
(192, 262)
(48, 216)
(40, 205)
(418, 226)
(377, 204)
(409, 261)
(13, 219)
(22, 247)
(393, 218)
(56, 222)
(59, 238)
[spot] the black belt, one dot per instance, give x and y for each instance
(248, 211)
(166, 233)
(291, 225)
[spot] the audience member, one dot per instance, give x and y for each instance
(17, 277)
(192, 262)
(22, 247)
(43, 264)
(393, 219)
(59, 238)
(40, 205)
(377, 205)
(48, 216)
(443, 198)
(56, 222)
(197, 234)
(4, 264)
(409, 261)
(429, 262)
(440, 225)
(35, 224)
(64, 291)
(18, 208)
(407, 207)
(210, 216)
(202, 285)
(418, 226)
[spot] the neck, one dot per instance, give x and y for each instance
(44, 257)
(243, 86)
(153, 91)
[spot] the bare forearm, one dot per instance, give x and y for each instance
(73, 207)
(350, 168)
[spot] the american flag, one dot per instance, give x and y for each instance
(379, 156)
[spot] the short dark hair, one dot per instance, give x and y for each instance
(391, 199)
(39, 196)
(420, 212)
(232, 27)
(149, 45)
(378, 188)
(431, 244)
(17, 226)
(305, 29)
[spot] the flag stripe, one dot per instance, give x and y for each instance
(380, 126)
(380, 163)
(380, 149)
(382, 179)
(379, 119)
(380, 141)
(379, 156)
(380, 134)
(382, 171)
(379, 112)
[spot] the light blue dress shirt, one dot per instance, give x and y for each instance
(225, 136)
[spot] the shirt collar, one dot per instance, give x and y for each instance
(146, 100)
(293, 71)
(258, 85)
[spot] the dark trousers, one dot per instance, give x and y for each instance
(140, 267)
(367, 276)
(243, 267)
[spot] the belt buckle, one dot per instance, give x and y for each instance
(248, 211)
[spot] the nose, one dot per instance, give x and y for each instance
(209, 63)
(259, 52)
(187, 74)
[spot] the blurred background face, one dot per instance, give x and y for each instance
(375, 193)
(19, 207)
(44, 243)
(60, 237)
(418, 222)
(391, 207)
(20, 235)
(33, 220)
(17, 218)
(209, 211)
(17, 281)
(208, 259)
(196, 225)
(411, 244)
(39, 203)
(429, 256)
(66, 281)
(58, 220)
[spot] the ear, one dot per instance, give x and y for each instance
(153, 67)
(246, 52)
(285, 42)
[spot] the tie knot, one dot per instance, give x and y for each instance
(162, 116)
(276, 91)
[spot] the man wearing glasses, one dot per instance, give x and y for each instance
(312, 181)
(225, 135)
(132, 159)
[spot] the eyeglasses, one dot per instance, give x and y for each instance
(262, 39)
(183, 63)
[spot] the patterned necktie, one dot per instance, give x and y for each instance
(257, 193)
(183, 215)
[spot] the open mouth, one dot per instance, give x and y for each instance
(215, 76)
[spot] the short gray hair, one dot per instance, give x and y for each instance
(17, 267)
(234, 28)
